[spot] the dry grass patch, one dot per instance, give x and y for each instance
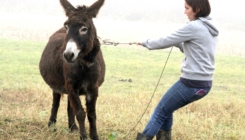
(24, 115)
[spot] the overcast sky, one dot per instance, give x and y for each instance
(145, 16)
(131, 9)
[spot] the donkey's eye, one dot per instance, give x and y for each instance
(83, 30)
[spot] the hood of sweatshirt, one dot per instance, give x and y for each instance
(211, 25)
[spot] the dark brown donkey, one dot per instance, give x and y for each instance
(72, 63)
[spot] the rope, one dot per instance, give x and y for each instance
(151, 95)
(116, 43)
(107, 42)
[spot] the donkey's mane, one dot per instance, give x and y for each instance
(82, 8)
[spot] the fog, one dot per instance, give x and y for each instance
(121, 21)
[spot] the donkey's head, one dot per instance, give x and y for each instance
(81, 33)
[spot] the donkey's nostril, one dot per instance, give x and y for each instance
(68, 56)
(72, 54)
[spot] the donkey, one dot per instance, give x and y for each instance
(72, 63)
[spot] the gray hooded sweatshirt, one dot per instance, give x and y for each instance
(198, 39)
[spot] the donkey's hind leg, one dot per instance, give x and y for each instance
(71, 118)
(55, 107)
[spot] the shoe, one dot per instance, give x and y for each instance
(141, 136)
(164, 135)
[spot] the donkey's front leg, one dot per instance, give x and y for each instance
(55, 107)
(79, 112)
(71, 118)
(91, 98)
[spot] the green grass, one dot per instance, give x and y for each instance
(19, 63)
(25, 99)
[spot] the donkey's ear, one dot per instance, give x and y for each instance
(94, 9)
(67, 7)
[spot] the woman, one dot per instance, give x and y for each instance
(197, 40)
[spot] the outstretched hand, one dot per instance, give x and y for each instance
(138, 43)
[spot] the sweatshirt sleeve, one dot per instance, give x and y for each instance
(180, 46)
(174, 39)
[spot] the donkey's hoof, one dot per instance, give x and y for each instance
(74, 129)
(52, 127)
(94, 138)
(83, 138)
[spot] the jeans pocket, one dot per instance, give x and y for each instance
(199, 93)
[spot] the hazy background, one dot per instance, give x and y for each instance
(25, 99)
(122, 21)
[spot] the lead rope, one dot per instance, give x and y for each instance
(151, 95)
(107, 42)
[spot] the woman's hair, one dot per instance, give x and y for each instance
(200, 7)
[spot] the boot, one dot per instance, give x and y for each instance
(164, 135)
(141, 136)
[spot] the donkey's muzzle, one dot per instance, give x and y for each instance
(69, 56)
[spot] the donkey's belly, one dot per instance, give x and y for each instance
(53, 76)
(59, 90)
(55, 83)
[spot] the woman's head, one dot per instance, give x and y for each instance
(197, 8)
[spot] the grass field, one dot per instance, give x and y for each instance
(25, 100)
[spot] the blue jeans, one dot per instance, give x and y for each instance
(176, 97)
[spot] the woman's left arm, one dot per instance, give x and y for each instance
(180, 46)
(174, 39)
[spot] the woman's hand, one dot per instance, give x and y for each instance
(138, 43)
